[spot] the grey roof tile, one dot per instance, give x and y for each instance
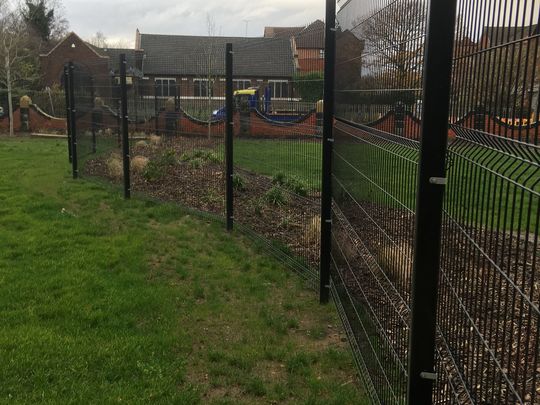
(196, 55)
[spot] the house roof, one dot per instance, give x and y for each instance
(310, 36)
(502, 35)
(282, 32)
(193, 55)
(114, 58)
(71, 36)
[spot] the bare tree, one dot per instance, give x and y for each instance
(99, 40)
(394, 41)
(120, 43)
(15, 54)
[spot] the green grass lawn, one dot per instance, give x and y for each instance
(485, 187)
(110, 301)
(478, 190)
(291, 157)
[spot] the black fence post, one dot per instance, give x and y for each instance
(156, 109)
(73, 121)
(94, 124)
(125, 125)
(429, 206)
(68, 111)
(328, 139)
(229, 105)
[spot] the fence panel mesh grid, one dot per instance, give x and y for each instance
(277, 146)
(177, 123)
(378, 80)
(489, 287)
(488, 332)
(96, 100)
(487, 341)
(177, 132)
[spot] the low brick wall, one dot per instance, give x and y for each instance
(38, 121)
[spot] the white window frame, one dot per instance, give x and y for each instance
(272, 84)
(169, 80)
(209, 90)
(243, 81)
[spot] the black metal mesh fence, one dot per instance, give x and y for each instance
(487, 348)
(487, 341)
(97, 120)
(489, 297)
(378, 82)
(176, 130)
(277, 149)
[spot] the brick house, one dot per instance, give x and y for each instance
(307, 43)
(195, 65)
(190, 67)
(94, 66)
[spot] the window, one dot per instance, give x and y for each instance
(242, 84)
(129, 80)
(201, 88)
(321, 53)
(279, 88)
(165, 87)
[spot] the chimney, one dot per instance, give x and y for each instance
(137, 39)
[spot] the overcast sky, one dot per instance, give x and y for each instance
(118, 19)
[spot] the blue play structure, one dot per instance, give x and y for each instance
(250, 100)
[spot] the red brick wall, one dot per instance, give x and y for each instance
(38, 122)
(412, 127)
(259, 127)
(52, 64)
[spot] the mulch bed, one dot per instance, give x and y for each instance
(293, 226)
(379, 235)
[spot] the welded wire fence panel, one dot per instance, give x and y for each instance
(177, 123)
(488, 312)
(97, 118)
(489, 287)
(277, 143)
(380, 49)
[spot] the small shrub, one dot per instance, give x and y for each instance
(258, 207)
(139, 163)
(196, 163)
(297, 186)
(214, 158)
(293, 183)
(275, 196)
(115, 167)
(239, 183)
(279, 178)
(285, 223)
(313, 231)
(153, 171)
(202, 155)
(168, 158)
(154, 140)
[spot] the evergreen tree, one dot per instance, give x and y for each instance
(39, 17)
